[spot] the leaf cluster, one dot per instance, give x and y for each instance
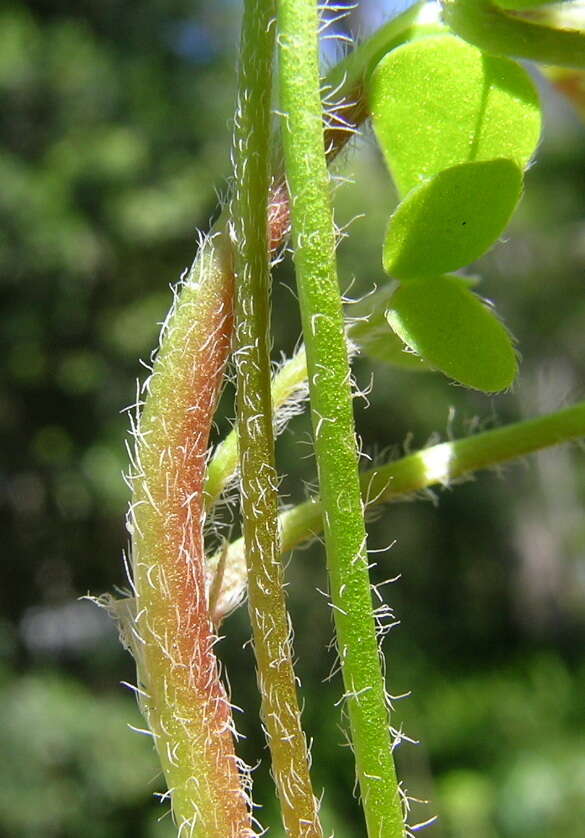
(457, 128)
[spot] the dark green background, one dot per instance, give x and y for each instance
(115, 132)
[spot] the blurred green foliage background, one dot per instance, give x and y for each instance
(114, 138)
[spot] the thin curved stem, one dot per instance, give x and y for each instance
(438, 465)
(170, 632)
(345, 84)
(259, 483)
(290, 380)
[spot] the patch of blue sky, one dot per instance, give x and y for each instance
(362, 18)
(374, 13)
(192, 40)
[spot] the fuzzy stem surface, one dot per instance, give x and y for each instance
(437, 465)
(258, 477)
(345, 84)
(170, 633)
(332, 415)
(167, 625)
(289, 380)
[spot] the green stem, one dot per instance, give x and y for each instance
(437, 465)
(332, 415)
(259, 482)
(504, 32)
(287, 383)
(169, 631)
(347, 80)
(350, 75)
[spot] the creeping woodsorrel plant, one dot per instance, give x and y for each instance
(458, 121)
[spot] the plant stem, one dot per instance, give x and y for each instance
(504, 32)
(347, 80)
(259, 482)
(352, 71)
(332, 415)
(170, 633)
(290, 379)
(437, 465)
(345, 86)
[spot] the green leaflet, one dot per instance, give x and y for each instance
(554, 34)
(451, 219)
(455, 332)
(374, 337)
(438, 101)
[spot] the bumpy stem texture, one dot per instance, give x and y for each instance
(332, 416)
(288, 388)
(171, 635)
(345, 86)
(438, 465)
(259, 483)
(167, 625)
